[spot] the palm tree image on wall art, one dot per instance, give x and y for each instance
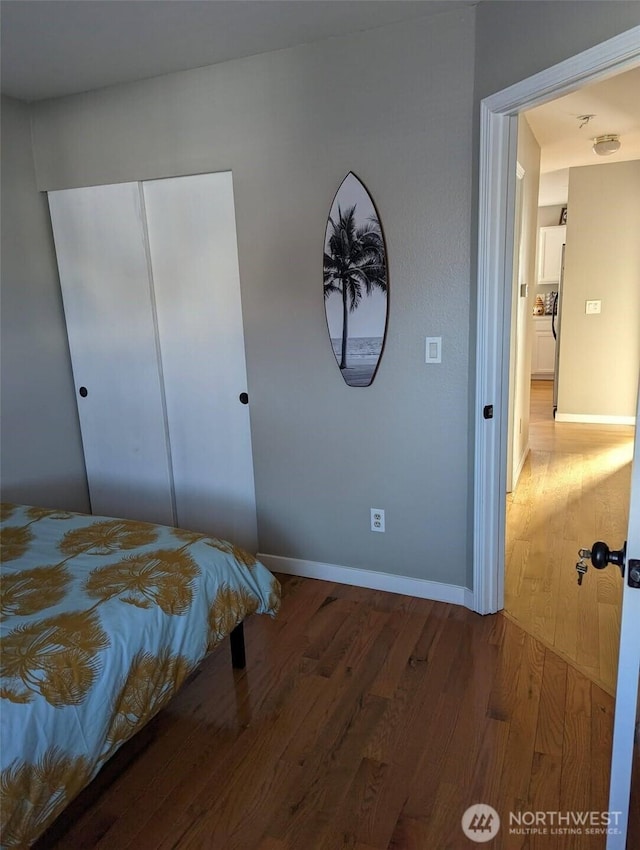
(355, 282)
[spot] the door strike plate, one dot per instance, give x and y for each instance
(633, 573)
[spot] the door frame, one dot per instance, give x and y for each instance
(497, 172)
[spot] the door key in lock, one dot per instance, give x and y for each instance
(600, 555)
(581, 567)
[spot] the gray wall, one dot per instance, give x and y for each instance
(399, 106)
(395, 106)
(600, 354)
(517, 39)
(41, 454)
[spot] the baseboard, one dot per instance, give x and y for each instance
(518, 471)
(595, 419)
(438, 591)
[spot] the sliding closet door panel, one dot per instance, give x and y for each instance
(192, 238)
(102, 259)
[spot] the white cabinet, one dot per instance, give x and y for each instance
(550, 242)
(544, 349)
(151, 292)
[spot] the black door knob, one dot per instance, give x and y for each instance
(601, 555)
(84, 392)
(244, 398)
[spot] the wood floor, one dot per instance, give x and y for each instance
(368, 721)
(573, 490)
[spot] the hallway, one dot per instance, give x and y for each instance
(573, 490)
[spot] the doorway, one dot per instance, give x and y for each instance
(571, 478)
(497, 181)
(498, 134)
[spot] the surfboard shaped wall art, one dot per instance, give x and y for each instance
(355, 282)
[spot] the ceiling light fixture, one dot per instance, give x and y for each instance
(606, 145)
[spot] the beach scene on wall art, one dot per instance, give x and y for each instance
(355, 283)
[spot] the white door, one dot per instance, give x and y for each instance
(194, 258)
(628, 666)
(104, 276)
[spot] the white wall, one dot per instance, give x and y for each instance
(600, 354)
(41, 453)
(529, 159)
(549, 216)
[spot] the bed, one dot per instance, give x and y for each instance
(102, 620)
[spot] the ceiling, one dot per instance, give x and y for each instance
(564, 143)
(51, 49)
(58, 48)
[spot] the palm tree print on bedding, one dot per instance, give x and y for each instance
(103, 538)
(34, 794)
(30, 591)
(57, 658)
(242, 557)
(15, 541)
(355, 283)
(149, 685)
(227, 610)
(162, 578)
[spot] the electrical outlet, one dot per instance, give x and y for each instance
(377, 519)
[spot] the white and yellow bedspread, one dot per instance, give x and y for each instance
(102, 621)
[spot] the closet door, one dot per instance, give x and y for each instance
(102, 259)
(192, 239)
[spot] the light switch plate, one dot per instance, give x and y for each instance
(592, 307)
(433, 349)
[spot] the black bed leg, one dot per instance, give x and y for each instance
(238, 657)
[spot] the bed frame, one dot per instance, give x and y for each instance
(238, 656)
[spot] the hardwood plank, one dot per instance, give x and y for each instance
(523, 720)
(372, 805)
(502, 697)
(408, 627)
(601, 744)
(550, 729)
(573, 490)
(349, 682)
(309, 808)
(575, 782)
(423, 678)
(324, 624)
(269, 843)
